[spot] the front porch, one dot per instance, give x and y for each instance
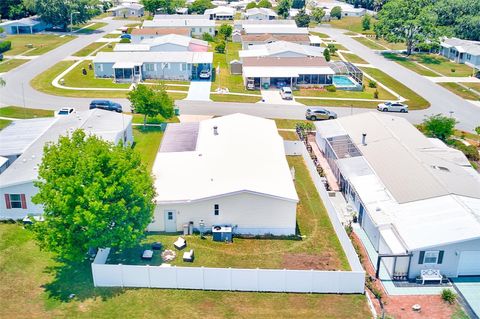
(127, 72)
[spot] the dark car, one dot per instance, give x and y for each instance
(126, 36)
(106, 105)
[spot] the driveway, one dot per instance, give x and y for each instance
(272, 96)
(469, 287)
(199, 91)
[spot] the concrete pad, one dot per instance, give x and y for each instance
(272, 96)
(199, 91)
(193, 118)
(469, 287)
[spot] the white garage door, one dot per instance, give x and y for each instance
(469, 264)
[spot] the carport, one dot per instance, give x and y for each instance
(270, 76)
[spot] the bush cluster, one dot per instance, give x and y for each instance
(5, 46)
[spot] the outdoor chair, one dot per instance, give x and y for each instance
(189, 256)
(147, 254)
(180, 243)
(430, 275)
(157, 246)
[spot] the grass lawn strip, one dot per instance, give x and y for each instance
(235, 98)
(473, 85)
(320, 35)
(75, 78)
(42, 43)
(318, 249)
(353, 24)
(415, 67)
(112, 36)
(338, 103)
(223, 78)
(350, 57)
(11, 64)
(288, 135)
(18, 112)
(370, 43)
(89, 27)
(45, 284)
(4, 123)
(415, 101)
(89, 49)
(147, 141)
(286, 124)
(368, 93)
(460, 91)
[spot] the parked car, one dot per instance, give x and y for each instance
(319, 113)
(106, 105)
(204, 74)
(65, 111)
(281, 84)
(126, 36)
(393, 107)
(286, 93)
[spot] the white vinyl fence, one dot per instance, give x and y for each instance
(268, 280)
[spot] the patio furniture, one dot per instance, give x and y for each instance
(189, 256)
(168, 255)
(180, 243)
(430, 275)
(147, 254)
(157, 246)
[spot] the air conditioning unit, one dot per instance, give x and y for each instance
(222, 233)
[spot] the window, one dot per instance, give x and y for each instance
(216, 209)
(170, 215)
(166, 66)
(15, 201)
(149, 67)
(431, 257)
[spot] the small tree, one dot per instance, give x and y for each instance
(332, 48)
(302, 19)
(326, 54)
(298, 4)
(366, 22)
(151, 102)
(283, 8)
(264, 4)
(220, 48)
(317, 14)
(207, 37)
(199, 6)
(336, 12)
(448, 295)
(439, 126)
(251, 5)
(94, 194)
(225, 31)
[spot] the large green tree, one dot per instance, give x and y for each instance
(409, 21)
(439, 126)
(94, 194)
(283, 8)
(58, 12)
(264, 4)
(164, 6)
(317, 14)
(460, 18)
(199, 6)
(336, 12)
(151, 101)
(225, 31)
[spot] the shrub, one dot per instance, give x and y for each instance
(220, 48)
(331, 88)
(375, 94)
(470, 151)
(449, 296)
(326, 55)
(372, 84)
(453, 70)
(366, 22)
(5, 46)
(332, 48)
(125, 40)
(336, 12)
(207, 37)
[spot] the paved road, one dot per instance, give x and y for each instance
(12, 93)
(441, 100)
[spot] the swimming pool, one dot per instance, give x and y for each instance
(344, 81)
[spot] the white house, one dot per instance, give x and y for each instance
(260, 14)
(220, 13)
(230, 170)
(281, 49)
(16, 182)
(348, 10)
(462, 51)
(127, 9)
(25, 25)
(196, 26)
(138, 35)
(249, 40)
(165, 43)
(417, 199)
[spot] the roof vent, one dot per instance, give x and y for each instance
(441, 168)
(215, 130)
(364, 139)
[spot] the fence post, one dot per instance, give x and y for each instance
(176, 277)
(203, 278)
(93, 274)
(230, 272)
(121, 274)
(284, 280)
(258, 284)
(148, 272)
(311, 280)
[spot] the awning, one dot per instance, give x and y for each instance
(283, 72)
(126, 65)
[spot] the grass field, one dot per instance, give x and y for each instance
(75, 78)
(4, 123)
(42, 43)
(90, 29)
(41, 286)
(368, 93)
(353, 24)
(354, 58)
(89, 49)
(147, 142)
(288, 124)
(409, 64)
(18, 112)
(415, 101)
(319, 247)
(335, 103)
(11, 64)
(288, 135)
(369, 43)
(461, 91)
(235, 98)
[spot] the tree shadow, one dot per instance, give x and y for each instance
(428, 59)
(74, 281)
(394, 56)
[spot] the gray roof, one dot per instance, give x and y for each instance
(180, 137)
(470, 47)
(411, 166)
(30, 21)
(154, 57)
(105, 124)
(17, 137)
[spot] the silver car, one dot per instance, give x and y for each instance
(319, 113)
(393, 107)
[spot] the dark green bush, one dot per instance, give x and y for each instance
(5, 46)
(449, 296)
(331, 88)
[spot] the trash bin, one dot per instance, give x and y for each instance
(177, 111)
(266, 86)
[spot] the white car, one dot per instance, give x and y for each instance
(393, 107)
(65, 111)
(286, 93)
(204, 74)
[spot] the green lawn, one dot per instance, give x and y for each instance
(18, 112)
(4, 123)
(41, 286)
(409, 64)
(415, 101)
(354, 58)
(288, 135)
(235, 98)
(138, 119)
(473, 85)
(112, 36)
(89, 49)
(340, 47)
(442, 65)
(353, 24)
(318, 248)
(42, 43)
(288, 124)
(461, 91)
(224, 78)
(10, 64)
(320, 35)
(75, 78)
(90, 29)
(368, 93)
(341, 103)
(369, 43)
(147, 142)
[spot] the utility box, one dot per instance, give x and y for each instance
(222, 233)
